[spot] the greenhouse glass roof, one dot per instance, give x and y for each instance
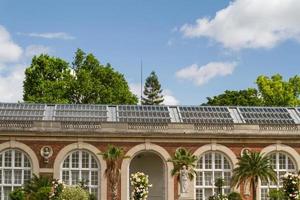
(149, 114)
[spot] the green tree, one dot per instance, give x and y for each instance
(98, 84)
(248, 97)
(47, 80)
(152, 91)
(183, 157)
(251, 168)
(277, 92)
(52, 80)
(272, 91)
(113, 157)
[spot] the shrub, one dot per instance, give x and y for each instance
(73, 193)
(218, 197)
(234, 196)
(291, 186)
(17, 194)
(275, 194)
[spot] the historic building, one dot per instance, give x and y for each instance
(64, 141)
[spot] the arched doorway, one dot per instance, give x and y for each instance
(152, 165)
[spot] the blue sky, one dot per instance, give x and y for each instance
(198, 48)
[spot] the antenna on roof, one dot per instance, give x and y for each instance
(141, 80)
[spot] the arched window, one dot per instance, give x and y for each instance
(15, 169)
(81, 165)
(281, 163)
(211, 165)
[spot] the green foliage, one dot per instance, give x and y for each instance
(74, 193)
(251, 167)
(248, 97)
(17, 194)
(47, 80)
(219, 183)
(277, 92)
(275, 194)
(152, 91)
(113, 157)
(98, 84)
(183, 157)
(218, 197)
(234, 196)
(51, 80)
(38, 187)
(273, 91)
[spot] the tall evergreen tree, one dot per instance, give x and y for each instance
(152, 91)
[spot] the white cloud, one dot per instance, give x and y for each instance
(54, 35)
(202, 74)
(11, 69)
(250, 24)
(9, 51)
(169, 98)
(11, 85)
(32, 50)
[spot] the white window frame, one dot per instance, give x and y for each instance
(12, 168)
(80, 170)
(278, 170)
(213, 171)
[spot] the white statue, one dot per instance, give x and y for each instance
(184, 179)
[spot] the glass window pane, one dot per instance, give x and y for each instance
(218, 161)
(208, 178)
(75, 177)
(26, 161)
(199, 178)
(85, 160)
(8, 159)
(75, 159)
(94, 178)
(18, 176)
(7, 176)
(66, 163)
(66, 177)
(199, 194)
(18, 159)
(85, 176)
(207, 193)
(208, 160)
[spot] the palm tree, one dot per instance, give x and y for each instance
(183, 157)
(252, 167)
(113, 157)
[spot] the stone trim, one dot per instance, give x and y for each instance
(12, 144)
(92, 149)
(160, 151)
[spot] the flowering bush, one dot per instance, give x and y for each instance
(56, 189)
(140, 183)
(73, 193)
(291, 186)
(218, 197)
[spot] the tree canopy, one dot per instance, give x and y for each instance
(47, 80)
(272, 91)
(248, 97)
(53, 80)
(152, 91)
